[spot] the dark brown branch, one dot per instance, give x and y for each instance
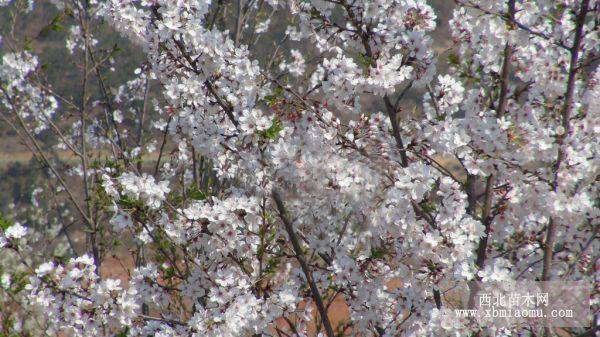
(500, 111)
(163, 320)
(162, 146)
(305, 268)
(396, 130)
(508, 51)
(566, 123)
(487, 222)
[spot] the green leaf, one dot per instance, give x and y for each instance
(115, 50)
(314, 13)
(377, 253)
(428, 206)
(196, 194)
(123, 333)
(54, 25)
(19, 281)
(453, 59)
(169, 272)
(278, 95)
(4, 223)
(273, 131)
(57, 27)
(128, 202)
(366, 61)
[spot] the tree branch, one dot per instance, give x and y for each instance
(566, 123)
(305, 268)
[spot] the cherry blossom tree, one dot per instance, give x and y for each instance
(296, 179)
